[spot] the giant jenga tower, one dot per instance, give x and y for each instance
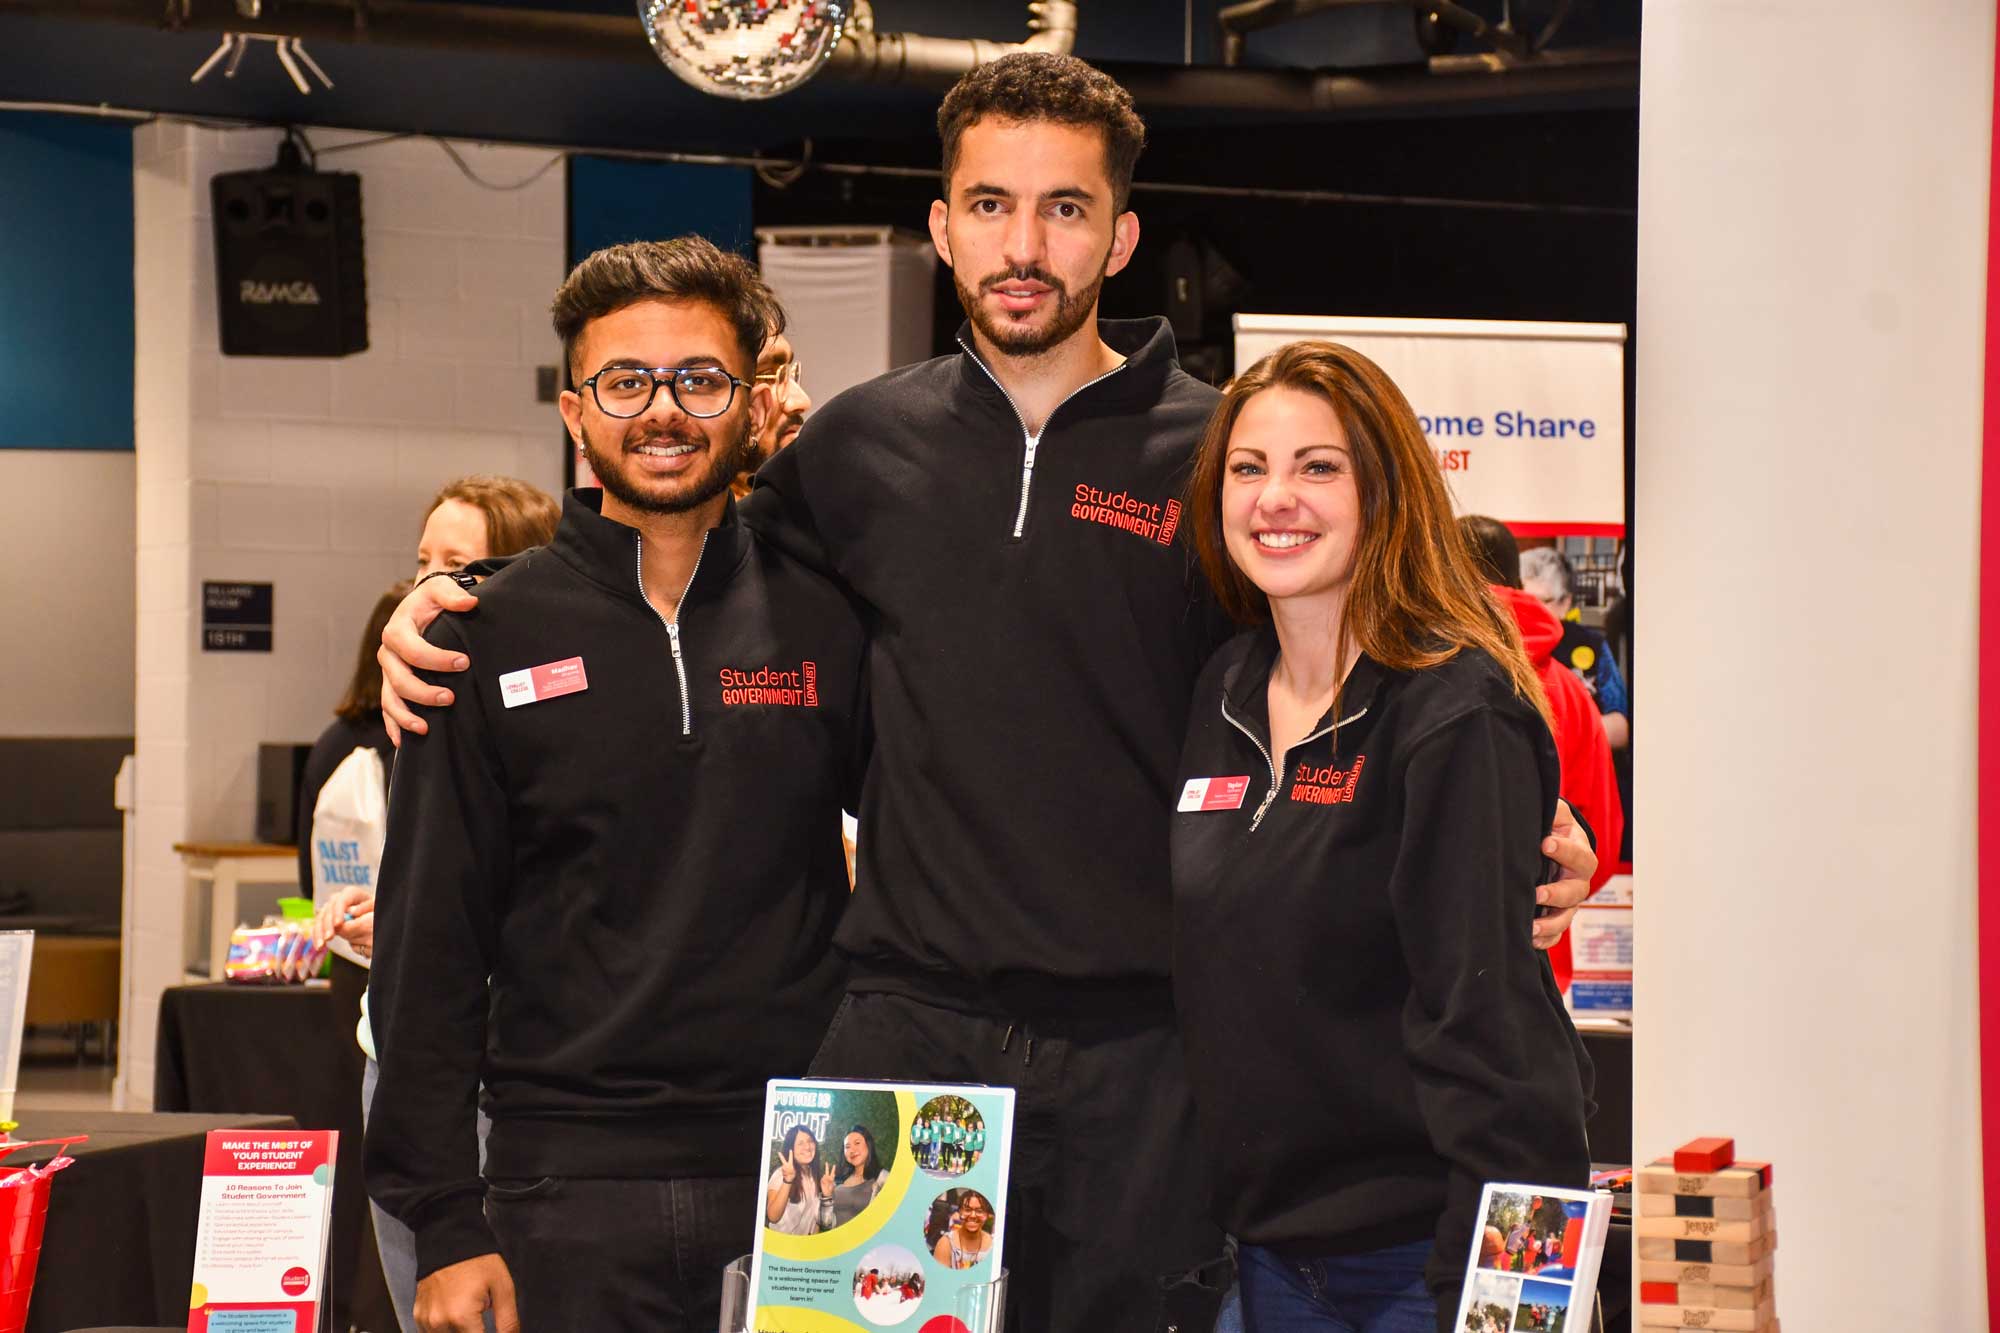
(1705, 1233)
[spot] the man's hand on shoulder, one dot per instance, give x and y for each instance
(404, 650)
(456, 1297)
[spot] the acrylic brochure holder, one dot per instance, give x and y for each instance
(980, 1308)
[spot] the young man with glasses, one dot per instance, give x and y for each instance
(586, 906)
(1007, 519)
(779, 367)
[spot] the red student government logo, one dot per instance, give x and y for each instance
(1325, 784)
(798, 688)
(1127, 512)
(295, 1281)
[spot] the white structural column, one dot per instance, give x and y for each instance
(1813, 190)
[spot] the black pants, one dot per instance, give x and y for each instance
(1108, 1226)
(621, 1256)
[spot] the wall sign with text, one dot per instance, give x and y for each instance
(236, 617)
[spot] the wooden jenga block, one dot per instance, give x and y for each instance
(1659, 1293)
(1720, 1298)
(1704, 1205)
(1758, 1320)
(1730, 1275)
(1705, 1155)
(1705, 1251)
(1702, 1228)
(1741, 1181)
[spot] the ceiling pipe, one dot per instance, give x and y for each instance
(867, 56)
(1446, 81)
(1237, 22)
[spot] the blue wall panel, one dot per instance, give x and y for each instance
(613, 200)
(65, 283)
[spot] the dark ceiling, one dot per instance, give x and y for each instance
(48, 55)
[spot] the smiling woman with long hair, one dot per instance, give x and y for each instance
(858, 1179)
(1365, 786)
(792, 1195)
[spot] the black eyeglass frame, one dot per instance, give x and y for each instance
(671, 377)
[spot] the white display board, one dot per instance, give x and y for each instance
(17, 956)
(1527, 420)
(858, 300)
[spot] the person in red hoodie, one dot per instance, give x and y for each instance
(1589, 783)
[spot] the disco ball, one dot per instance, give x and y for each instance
(747, 49)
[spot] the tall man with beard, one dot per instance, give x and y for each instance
(589, 829)
(1006, 518)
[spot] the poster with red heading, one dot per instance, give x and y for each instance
(260, 1253)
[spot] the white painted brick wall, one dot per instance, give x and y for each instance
(308, 474)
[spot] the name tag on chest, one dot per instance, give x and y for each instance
(1213, 794)
(549, 681)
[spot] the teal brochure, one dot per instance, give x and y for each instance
(881, 1205)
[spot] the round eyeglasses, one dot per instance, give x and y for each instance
(699, 391)
(786, 376)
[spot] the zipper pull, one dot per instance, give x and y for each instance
(674, 637)
(1258, 818)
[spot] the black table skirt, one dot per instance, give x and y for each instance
(283, 1050)
(119, 1243)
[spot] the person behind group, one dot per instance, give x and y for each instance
(480, 517)
(470, 519)
(1546, 574)
(970, 1235)
(987, 511)
(1349, 932)
(858, 1183)
(590, 829)
(794, 1193)
(1589, 781)
(778, 367)
(357, 724)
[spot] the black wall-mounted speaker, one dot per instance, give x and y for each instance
(288, 261)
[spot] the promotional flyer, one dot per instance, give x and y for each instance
(881, 1205)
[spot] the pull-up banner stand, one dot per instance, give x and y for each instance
(1526, 420)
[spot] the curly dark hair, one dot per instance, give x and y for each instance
(1040, 85)
(686, 268)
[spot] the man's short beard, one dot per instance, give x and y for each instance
(726, 460)
(1072, 312)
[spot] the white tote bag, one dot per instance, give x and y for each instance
(350, 819)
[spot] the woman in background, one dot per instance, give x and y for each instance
(1350, 930)
(471, 519)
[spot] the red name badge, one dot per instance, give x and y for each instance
(549, 681)
(1213, 794)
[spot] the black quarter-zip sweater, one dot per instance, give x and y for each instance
(649, 869)
(1035, 631)
(1370, 1032)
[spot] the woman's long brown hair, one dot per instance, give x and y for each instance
(1414, 597)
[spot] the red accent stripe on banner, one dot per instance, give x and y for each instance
(1989, 733)
(1567, 529)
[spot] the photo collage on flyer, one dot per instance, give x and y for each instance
(1529, 1249)
(881, 1204)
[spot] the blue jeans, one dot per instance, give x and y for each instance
(1379, 1292)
